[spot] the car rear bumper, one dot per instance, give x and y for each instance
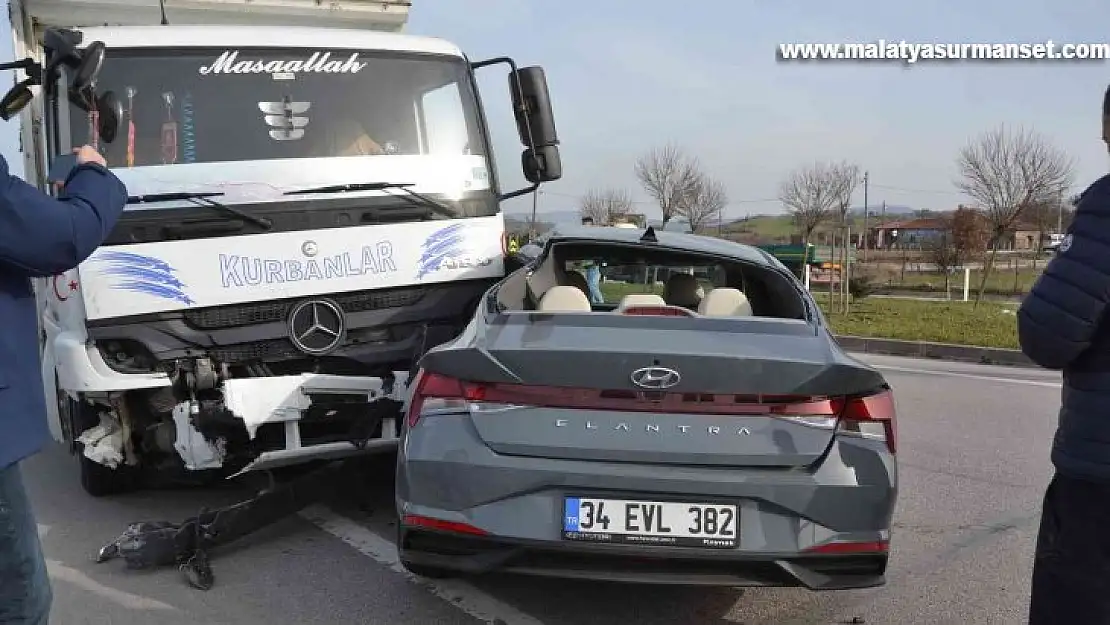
(515, 503)
(472, 555)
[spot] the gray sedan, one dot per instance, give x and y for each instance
(694, 423)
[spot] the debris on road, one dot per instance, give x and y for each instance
(153, 544)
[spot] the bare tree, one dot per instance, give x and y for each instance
(844, 177)
(668, 175)
(1004, 171)
(809, 195)
(705, 199)
(604, 205)
(961, 238)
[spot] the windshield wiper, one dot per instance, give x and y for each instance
(202, 199)
(413, 197)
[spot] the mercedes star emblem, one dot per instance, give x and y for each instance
(309, 249)
(317, 327)
(655, 378)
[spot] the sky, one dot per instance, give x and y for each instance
(627, 76)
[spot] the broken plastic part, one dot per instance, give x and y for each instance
(285, 398)
(103, 443)
(196, 451)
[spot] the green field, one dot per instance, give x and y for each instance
(1001, 281)
(990, 325)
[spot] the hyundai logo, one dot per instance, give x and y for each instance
(655, 378)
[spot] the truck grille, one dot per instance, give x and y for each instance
(237, 315)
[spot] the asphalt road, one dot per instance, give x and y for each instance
(973, 464)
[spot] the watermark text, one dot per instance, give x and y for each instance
(910, 52)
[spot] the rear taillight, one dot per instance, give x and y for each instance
(439, 525)
(870, 417)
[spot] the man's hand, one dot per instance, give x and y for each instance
(88, 154)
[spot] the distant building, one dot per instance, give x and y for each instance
(916, 233)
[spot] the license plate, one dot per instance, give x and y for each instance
(667, 523)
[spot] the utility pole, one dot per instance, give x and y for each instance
(866, 232)
(882, 221)
(535, 205)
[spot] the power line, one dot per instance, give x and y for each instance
(771, 200)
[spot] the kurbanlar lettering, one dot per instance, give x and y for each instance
(240, 271)
(318, 63)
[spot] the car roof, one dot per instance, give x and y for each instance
(675, 240)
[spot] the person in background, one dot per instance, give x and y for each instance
(1063, 325)
(39, 237)
(593, 272)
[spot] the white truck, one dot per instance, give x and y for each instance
(313, 203)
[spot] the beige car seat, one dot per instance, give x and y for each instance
(640, 299)
(564, 299)
(725, 302)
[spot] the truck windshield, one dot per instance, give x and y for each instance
(372, 114)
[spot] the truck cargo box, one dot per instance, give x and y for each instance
(384, 15)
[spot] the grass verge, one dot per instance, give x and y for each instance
(992, 324)
(959, 323)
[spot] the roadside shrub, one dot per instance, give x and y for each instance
(860, 287)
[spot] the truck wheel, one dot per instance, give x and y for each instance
(97, 479)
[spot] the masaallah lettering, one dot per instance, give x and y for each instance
(318, 63)
(240, 271)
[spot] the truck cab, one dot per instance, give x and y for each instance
(313, 204)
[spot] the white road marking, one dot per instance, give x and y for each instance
(970, 376)
(467, 598)
(61, 572)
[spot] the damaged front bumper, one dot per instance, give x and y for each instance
(360, 414)
(373, 404)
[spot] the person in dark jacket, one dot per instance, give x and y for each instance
(39, 236)
(1063, 325)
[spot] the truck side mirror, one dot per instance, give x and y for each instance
(535, 122)
(109, 111)
(542, 165)
(15, 100)
(92, 59)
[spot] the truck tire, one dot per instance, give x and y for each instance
(97, 479)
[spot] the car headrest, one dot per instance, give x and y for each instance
(682, 290)
(564, 299)
(640, 299)
(725, 302)
(578, 281)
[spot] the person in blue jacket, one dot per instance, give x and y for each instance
(1063, 325)
(593, 272)
(39, 236)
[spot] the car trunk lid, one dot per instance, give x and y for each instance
(737, 392)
